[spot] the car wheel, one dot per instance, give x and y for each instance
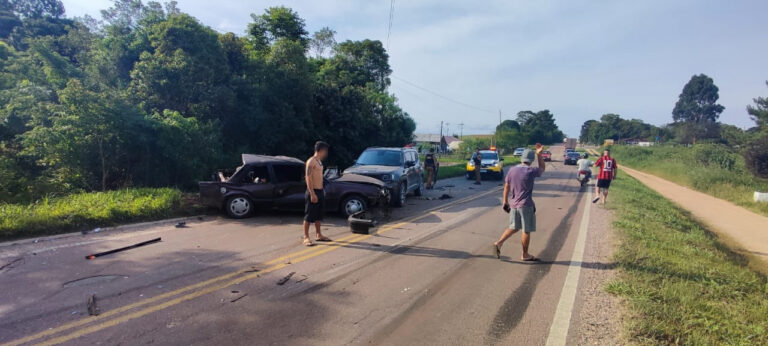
(399, 200)
(420, 189)
(239, 207)
(353, 204)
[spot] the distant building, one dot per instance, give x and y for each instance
(424, 141)
(450, 143)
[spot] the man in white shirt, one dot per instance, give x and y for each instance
(585, 164)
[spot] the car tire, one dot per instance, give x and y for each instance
(420, 189)
(238, 207)
(500, 175)
(353, 204)
(399, 196)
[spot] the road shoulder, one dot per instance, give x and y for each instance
(597, 319)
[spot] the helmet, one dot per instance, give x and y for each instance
(586, 155)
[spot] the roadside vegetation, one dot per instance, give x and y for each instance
(681, 285)
(82, 211)
(714, 169)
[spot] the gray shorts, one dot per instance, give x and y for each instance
(523, 219)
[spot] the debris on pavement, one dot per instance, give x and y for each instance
(181, 225)
(93, 309)
(252, 270)
(95, 230)
(238, 298)
(446, 196)
(99, 254)
(285, 279)
(10, 264)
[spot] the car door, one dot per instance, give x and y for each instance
(258, 185)
(412, 169)
(290, 186)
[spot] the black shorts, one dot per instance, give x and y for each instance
(604, 183)
(314, 211)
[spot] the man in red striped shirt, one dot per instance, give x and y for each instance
(606, 166)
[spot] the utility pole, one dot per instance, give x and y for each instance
(440, 146)
(461, 130)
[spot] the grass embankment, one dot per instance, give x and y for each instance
(713, 169)
(681, 285)
(93, 209)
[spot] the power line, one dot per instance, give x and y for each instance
(443, 97)
(391, 20)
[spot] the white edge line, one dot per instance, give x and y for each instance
(561, 322)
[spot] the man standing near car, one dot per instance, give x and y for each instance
(606, 172)
(314, 198)
(430, 164)
(518, 201)
(477, 159)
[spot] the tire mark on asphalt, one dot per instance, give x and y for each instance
(514, 307)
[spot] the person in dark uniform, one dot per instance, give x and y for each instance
(478, 160)
(430, 164)
(314, 198)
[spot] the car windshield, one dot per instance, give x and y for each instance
(489, 155)
(573, 154)
(380, 158)
(519, 149)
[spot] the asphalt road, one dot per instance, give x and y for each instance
(427, 276)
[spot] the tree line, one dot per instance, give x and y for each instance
(147, 95)
(528, 127)
(694, 120)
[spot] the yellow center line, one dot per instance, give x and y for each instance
(278, 263)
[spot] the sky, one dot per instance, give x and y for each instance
(467, 62)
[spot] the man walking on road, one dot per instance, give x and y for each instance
(314, 198)
(478, 160)
(606, 166)
(518, 200)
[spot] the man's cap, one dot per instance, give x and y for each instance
(528, 156)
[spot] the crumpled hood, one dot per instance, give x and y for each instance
(357, 178)
(362, 169)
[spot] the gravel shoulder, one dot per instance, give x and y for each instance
(597, 319)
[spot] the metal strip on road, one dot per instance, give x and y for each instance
(558, 332)
(211, 285)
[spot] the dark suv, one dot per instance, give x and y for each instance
(398, 168)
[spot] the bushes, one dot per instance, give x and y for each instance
(756, 157)
(86, 210)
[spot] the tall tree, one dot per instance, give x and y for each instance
(276, 23)
(697, 108)
(759, 112)
(323, 41)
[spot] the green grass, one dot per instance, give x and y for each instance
(94, 209)
(680, 284)
(712, 169)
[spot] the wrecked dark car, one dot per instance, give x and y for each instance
(277, 183)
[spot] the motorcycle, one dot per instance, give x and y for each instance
(583, 177)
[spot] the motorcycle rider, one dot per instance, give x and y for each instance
(584, 164)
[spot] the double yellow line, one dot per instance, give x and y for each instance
(211, 285)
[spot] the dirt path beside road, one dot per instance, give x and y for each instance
(745, 230)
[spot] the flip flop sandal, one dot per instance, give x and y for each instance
(530, 259)
(323, 239)
(594, 200)
(497, 251)
(307, 242)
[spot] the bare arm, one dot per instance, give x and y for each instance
(308, 179)
(506, 194)
(540, 160)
